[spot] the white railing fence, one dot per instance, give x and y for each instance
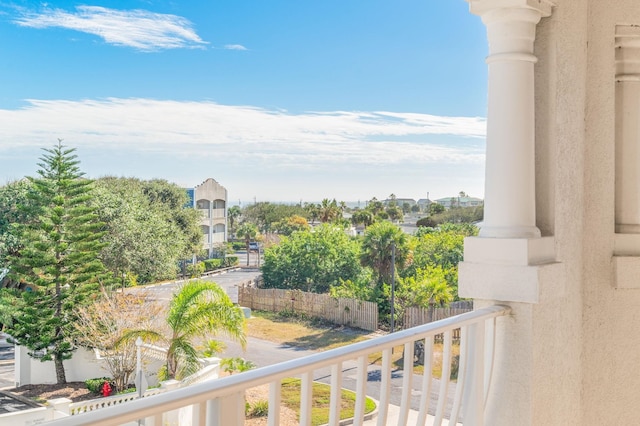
(221, 402)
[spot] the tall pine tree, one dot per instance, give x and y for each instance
(59, 260)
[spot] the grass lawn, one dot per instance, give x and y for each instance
(321, 399)
(397, 359)
(318, 335)
(301, 332)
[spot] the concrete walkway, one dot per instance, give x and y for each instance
(7, 373)
(394, 414)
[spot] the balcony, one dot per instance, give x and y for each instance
(221, 401)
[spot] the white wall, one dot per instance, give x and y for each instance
(84, 365)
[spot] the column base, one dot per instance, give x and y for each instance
(487, 231)
(510, 270)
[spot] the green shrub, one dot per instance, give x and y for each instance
(127, 390)
(212, 264)
(95, 385)
(258, 408)
(163, 373)
(239, 245)
(231, 261)
(195, 271)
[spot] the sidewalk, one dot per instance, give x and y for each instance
(394, 414)
(7, 373)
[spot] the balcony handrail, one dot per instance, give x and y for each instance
(230, 385)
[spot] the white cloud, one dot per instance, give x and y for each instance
(139, 29)
(235, 47)
(312, 155)
(245, 133)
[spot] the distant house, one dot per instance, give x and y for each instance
(400, 201)
(424, 203)
(210, 198)
(449, 202)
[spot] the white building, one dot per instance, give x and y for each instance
(210, 198)
(458, 201)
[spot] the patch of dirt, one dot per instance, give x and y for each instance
(288, 417)
(75, 391)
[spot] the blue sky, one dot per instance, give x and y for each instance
(277, 100)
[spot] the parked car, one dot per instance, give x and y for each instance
(253, 246)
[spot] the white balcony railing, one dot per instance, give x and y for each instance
(221, 401)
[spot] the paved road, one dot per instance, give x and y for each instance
(226, 280)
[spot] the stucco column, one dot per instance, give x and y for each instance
(509, 209)
(628, 130)
(626, 259)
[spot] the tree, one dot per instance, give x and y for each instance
(291, 224)
(149, 230)
(264, 215)
(16, 206)
(377, 249)
(328, 210)
(441, 247)
(435, 208)
(460, 215)
(247, 232)
(426, 222)
(375, 206)
(427, 288)
(197, 310)
(233, 214)
(312, 211)
(365, 217)
(394, 213)
(102, 325)
(312, 260)
(59, 259)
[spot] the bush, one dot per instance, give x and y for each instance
(95, 385)
(212, 264)
(231, 261)
(258, 408)
(426, 222)
(194, 271)
(239, 245)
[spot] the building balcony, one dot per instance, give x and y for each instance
(423, 398)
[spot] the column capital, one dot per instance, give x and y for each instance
(480, 7)
(627, 53)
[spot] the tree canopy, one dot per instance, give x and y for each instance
(312, 260)
(58, 258)
(148, 230)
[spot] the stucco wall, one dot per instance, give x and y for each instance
(557, 320)
(611, 318)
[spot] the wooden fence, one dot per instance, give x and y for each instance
(414, 316)
(417, 316)
(349, 312)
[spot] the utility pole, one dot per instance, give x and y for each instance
(393, 284)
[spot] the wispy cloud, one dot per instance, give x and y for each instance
(234, 47)
(139, 29)
(242, 133)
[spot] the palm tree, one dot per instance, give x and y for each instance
(365, 217)
(198, 309)
(233, 215)
(247, 231)
(329, 210)
(377, 248)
